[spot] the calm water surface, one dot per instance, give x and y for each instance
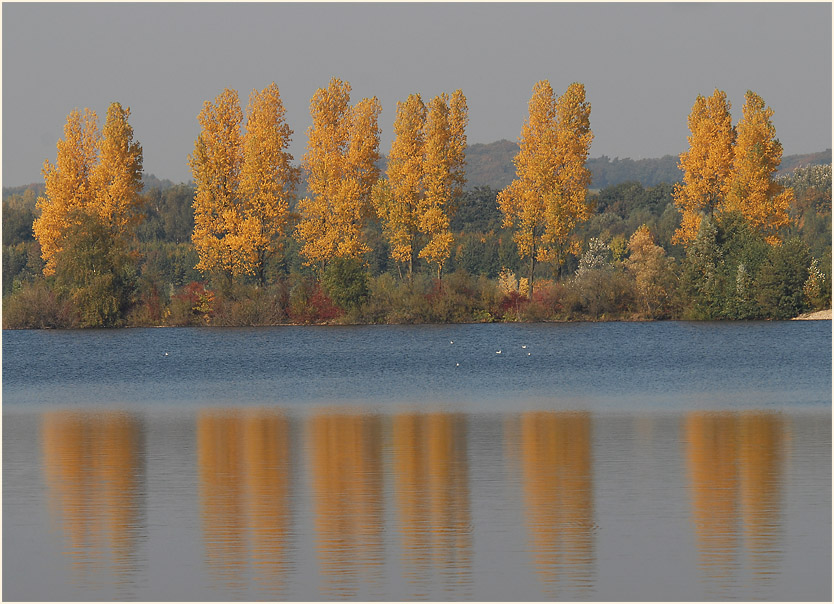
(661, 461)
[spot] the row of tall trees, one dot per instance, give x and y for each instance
(245, 181)
(246, 216)
(425, 178)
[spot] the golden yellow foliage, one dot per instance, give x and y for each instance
(523, 201)
(731, 169)
(751, 189)
(426, 174)
(568, 206)
(458, 121)
(353, 206)
(647, 263)
(244, 182)
(706, 165)
(267, 178)
(548, 198)
(399, 209)
(67, 183)
(216, 164)
(443, 173)
(363, 150)
(95, 174)
(340, 162)
(117, 178)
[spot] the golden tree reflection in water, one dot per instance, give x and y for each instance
(94, 468)
(245, 493)
(432, 492)
(736, 467)
(557, 478)
(346, 467)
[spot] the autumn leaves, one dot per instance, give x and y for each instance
(730, 169)
(97, 175)
(245, 207)
(426, 174)
(341, 167)
(547, 200)
(244, 181)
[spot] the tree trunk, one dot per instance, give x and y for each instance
(532, 270)
(260, 270)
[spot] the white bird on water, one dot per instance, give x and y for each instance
(497, 352)
(524, 345)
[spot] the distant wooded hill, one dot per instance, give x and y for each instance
(491, 165)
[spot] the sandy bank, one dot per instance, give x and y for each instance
(820, 315)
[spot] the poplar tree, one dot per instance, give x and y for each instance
(426, 174)
(523, 202)
(340, 163)
(268, 178)
(67, 184)
(244, 183)
(568, 206)
(443, 174)
(354, 207)
(216, 165)
(117, 178)
(97, 175)
(547, 199)
(399, 208)
(752, 190)
(706, 166)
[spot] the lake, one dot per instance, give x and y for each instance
(611, 461)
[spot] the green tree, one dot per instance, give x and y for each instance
(703, 273)
(95, 269)
(346, 282)
(781, 279)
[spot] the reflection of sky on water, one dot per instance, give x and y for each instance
(260, 503)
(593, 367)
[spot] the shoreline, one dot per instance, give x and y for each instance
(819, 315)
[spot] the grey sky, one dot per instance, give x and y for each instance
(642, 66)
